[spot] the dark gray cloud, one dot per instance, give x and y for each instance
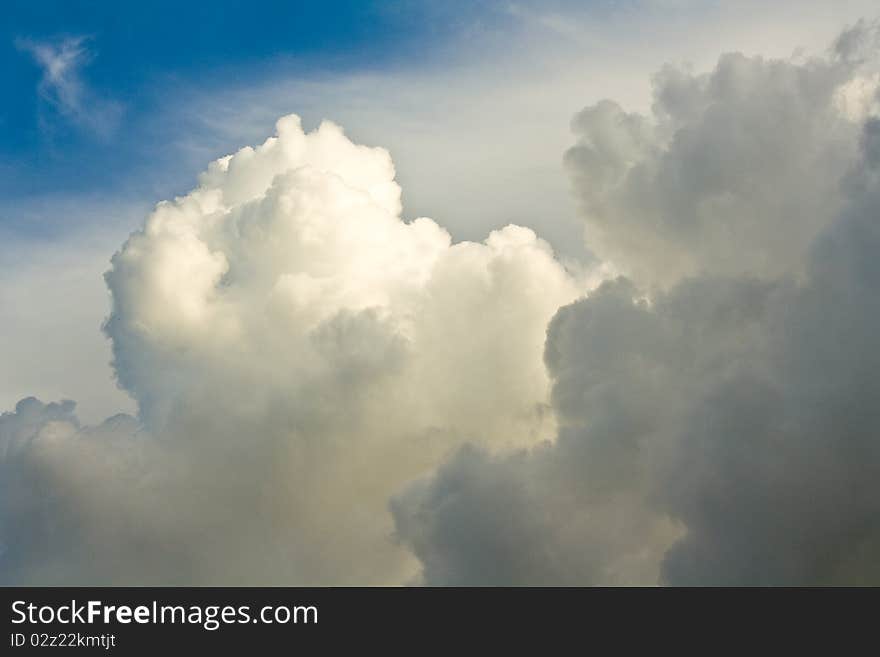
(725, 430)
(776, 469)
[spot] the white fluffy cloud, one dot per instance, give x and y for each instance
(298, 352)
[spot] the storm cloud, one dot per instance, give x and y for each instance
(718, 411)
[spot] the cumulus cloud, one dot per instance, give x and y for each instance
(297, 352)
(718, 417)
(63, 88)
(736, 171)
(73, 498)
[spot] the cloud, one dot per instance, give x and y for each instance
(63, 88)
(736, 172)
(721, 428)
(71, 495)
(297, 353)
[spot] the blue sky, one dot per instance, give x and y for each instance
(129, 61)
(114, 117)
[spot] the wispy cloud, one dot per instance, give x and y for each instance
(62, 87)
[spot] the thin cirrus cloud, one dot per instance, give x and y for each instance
(62, 88)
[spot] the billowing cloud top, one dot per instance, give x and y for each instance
(737, 171)
(290, 266)
(298, 352)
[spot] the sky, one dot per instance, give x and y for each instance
(471, 97)
(464, 260)
(115, 66)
